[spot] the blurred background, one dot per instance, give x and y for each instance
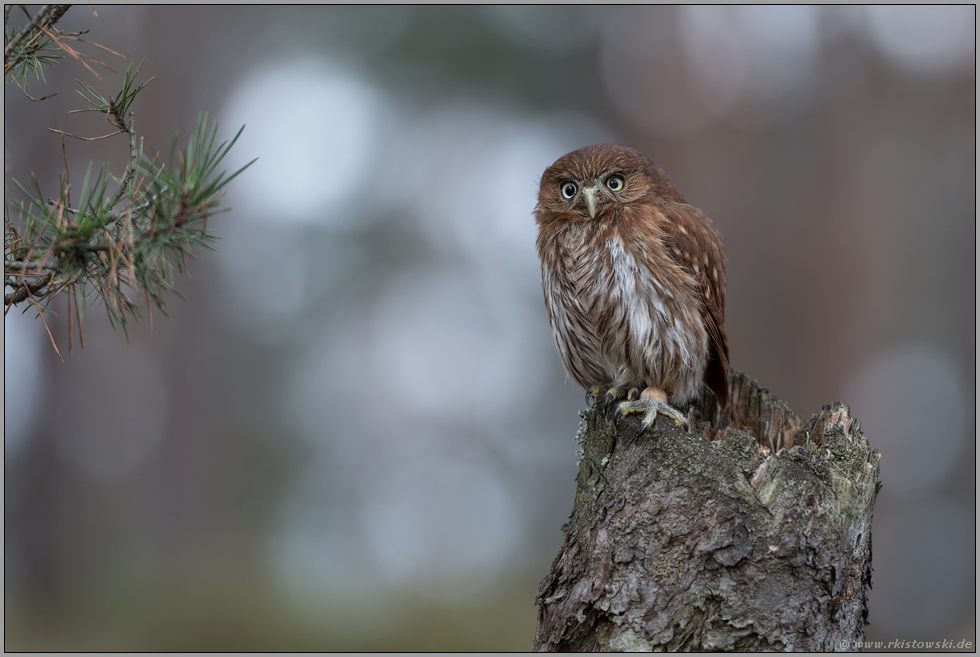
(356, 433)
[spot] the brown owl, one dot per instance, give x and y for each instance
(634, 282)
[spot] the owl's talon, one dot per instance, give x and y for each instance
(612, 394)
(618, 414)
(632, 394)
(649, 405)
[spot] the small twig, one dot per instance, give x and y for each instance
(30, 97)
(73, 35)
(20, 265)
(117, 118)
(134, 155)
(135, 209)
(68, 134)
(24, 289)
(67, 209)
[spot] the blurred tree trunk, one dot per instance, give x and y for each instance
(758, 538)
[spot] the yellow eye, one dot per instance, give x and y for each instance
(568, 189)
(615, 183)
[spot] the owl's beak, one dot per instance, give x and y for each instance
(591, 200)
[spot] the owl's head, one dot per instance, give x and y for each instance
(584, 184)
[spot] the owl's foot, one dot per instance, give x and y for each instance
(612, 393)
(651, 402)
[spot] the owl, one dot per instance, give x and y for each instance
(634, 283)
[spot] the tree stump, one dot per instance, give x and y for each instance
(751, 532)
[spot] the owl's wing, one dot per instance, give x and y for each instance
(692, 241)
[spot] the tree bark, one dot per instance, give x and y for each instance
(752, 532)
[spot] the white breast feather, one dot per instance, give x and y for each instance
(657, 352)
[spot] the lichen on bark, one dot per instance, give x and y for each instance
(759, 539)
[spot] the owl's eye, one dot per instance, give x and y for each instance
(615, 183)
(568, 189)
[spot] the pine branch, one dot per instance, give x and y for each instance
(48, 16)
(25, 51)
(101, 248)
(138, 247)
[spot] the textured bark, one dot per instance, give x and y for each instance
(757, 540)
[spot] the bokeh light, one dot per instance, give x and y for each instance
(925, 39)
(21, 373)
(316, 173)
(911, 398)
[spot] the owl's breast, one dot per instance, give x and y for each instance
(616, 318)
(572, 277)
(651, 328)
